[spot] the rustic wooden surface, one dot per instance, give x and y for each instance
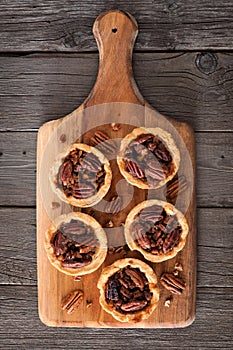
(192, 85)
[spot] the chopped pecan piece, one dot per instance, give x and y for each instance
(72, 301)
(174, 284)
(77, 278)
(178, 266)
(115, 126)
(167, 302)
(88, 304)
(109, 224)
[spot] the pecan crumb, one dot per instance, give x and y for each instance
(72, 301)
(167, 302)
(55, 205)
(77, 278)
(174, 284)
(178, 267)
(88, 304)
(109, 224)
(115, 126)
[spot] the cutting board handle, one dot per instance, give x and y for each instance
(115, 32)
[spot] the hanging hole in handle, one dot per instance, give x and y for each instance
(114, 30)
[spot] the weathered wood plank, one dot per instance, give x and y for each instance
(191, 87)
(214, 169)
(59, 26)
(21, 327)
(18, 247)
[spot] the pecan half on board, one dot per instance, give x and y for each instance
(72, 301)
(174, 284)
(175, 187)
(103, 142)
(148, 158)
(114, 206)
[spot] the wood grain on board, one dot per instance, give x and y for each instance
(115, 33)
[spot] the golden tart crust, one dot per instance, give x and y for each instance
(152, 279)
(83, 202)
(167, 140)
(100, 252)
(169, 209)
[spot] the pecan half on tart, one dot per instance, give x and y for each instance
(148, 157)
(156, 229)
(128, 290)
(76, 244)
(81, 176)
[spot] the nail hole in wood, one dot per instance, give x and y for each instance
(222, 157)
(24, 152)
(114, 30)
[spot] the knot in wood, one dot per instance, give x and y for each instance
(172, 5)
(206, 62)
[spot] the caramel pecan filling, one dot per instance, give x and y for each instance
(81, 175)
(128, 290)
(148, 159)
(74, 244)
(155, 231)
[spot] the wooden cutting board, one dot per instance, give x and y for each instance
(114, 98)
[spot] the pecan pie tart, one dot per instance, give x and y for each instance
(76, 244)
(156, 229)
(148, 157)
(128, 290)
(81, 176)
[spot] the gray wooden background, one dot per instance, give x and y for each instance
(183, 64)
